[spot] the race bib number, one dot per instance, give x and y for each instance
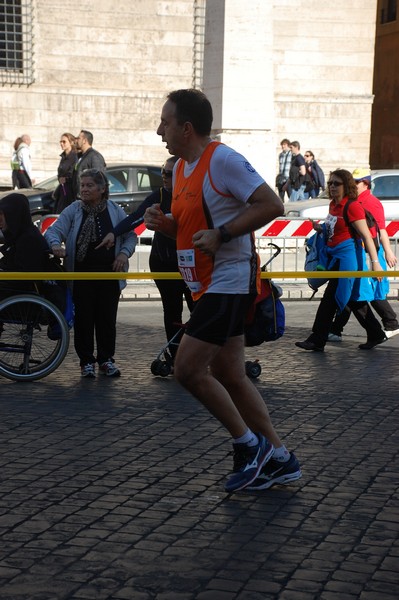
(330, 225)
(186, 263)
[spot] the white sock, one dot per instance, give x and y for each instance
(281, 454)
(248, 438)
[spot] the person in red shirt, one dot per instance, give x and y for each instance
(345, 252)
(382, 306)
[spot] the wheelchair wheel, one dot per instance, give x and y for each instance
(34, 337)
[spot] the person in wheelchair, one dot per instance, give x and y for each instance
(24, 249)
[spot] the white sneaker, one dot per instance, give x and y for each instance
(391, 332)
(109, 369)
(334, 338)
(88, 371)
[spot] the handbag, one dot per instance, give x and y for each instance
(280, 180)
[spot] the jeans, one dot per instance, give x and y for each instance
(297, 195)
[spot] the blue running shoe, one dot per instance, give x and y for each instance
(276, 472)
(248, 462)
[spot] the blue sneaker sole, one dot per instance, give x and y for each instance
(282, 480)
(245, 484)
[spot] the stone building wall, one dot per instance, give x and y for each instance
(103, 66)
(300, 69)
(293, 68)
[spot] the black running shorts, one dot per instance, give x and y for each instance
(217, 317)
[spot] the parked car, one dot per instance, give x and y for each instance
(129, 185)
(384, 185)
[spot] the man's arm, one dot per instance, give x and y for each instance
(263, 206)
(389, 255)
(155, 220)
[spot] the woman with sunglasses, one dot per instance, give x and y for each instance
(163, 258)
(81, 226)
(348, 236)
(63, 194)
(315, 180)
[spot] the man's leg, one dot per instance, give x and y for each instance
(340, 320)
(366, 318)
(191, 369)
(386, 313)
(228, 367)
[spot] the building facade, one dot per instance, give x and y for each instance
(384, 150)
(285, 68)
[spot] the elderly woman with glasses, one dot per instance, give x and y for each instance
(163, 258)
(81, 226)
(347, 236)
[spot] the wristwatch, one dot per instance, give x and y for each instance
(225, 235)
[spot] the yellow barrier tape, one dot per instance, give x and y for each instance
(12, 276)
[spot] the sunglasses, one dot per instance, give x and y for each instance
(334, 183)
(166, 173)
(307, 155)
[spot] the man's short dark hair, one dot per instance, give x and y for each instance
(88, 135)
(296, 145)
(193, 106)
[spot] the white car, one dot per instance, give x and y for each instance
(384, 185)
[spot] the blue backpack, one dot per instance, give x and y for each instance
(314, 247)
(266, 318)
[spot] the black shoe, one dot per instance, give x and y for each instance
(309, 346)
(370, 344)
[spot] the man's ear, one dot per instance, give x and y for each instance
(187, 128)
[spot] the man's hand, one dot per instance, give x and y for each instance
(156, 220)
(108, 241)
(120, 262)
(58, 251)
(153, 217)
(207, 241)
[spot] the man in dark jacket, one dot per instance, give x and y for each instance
(88, 158)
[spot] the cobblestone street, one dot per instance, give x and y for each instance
(113, 488)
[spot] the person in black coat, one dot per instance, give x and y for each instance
(63, 194)
(24, 248)
(315, 181)
(163, 257)
(88, 158)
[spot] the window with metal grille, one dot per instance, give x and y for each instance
(16, 42)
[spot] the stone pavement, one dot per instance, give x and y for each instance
(113, 488)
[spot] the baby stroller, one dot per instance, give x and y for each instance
(266, 318)
(255, 332)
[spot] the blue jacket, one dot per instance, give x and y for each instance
(67, 226)
(351, 257)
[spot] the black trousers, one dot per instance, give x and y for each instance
(172, 292)
(381, 307)
(23, 180)
(326, 312)
(96, 307)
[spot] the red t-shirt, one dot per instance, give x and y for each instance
(374, 206)
(337, 229)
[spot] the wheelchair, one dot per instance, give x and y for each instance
(34, 337)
